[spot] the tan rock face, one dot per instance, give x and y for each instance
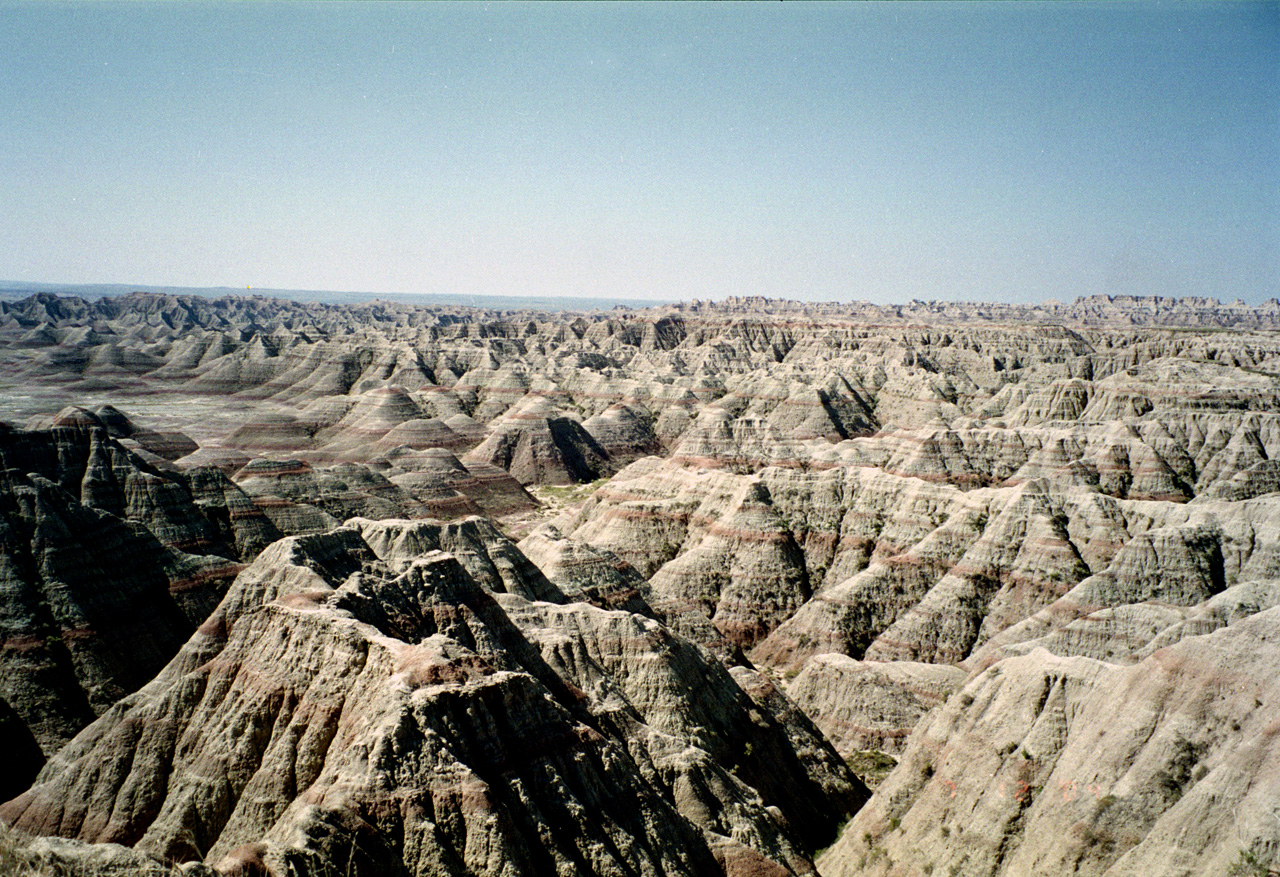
(623, 432)
(584, 573)
(885, 511)
(869, 705)
(745, 574)
(1054, 765)
(537, 443)
(334, 709)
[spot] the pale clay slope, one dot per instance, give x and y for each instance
(1165, 767)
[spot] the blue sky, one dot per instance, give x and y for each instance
(877, 151)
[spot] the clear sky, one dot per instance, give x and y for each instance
(879, 151)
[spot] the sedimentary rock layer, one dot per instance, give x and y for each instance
(360, 702)
(1050, 765)
(932, 530)
(106, 566)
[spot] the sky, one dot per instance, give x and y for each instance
(851, 151)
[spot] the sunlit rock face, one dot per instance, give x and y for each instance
(401, 715)
(1031, 553)
(1052, 765)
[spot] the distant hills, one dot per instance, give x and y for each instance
(15, 289)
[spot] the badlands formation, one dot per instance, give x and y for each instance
(744, 588)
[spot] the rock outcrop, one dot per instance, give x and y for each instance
(392, 714)
(1051, 765)
(100, 579)
(926, 530)
(536, 443)
(868, 705)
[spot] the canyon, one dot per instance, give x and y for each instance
(747, 587)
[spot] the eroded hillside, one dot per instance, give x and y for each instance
(611, 592)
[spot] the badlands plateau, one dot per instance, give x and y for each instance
(740, 588)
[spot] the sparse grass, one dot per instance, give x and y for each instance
(1095, 835)
(552, 500)
(1180, 773)
(1259, 372)
(17, 859)
(1098, 839)
(844, 823)
(1210, 330)
(564, 494)
(13, 854)
(871, 766)
(558, 491)
(1249, 865)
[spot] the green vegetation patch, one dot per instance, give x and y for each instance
(871, 766)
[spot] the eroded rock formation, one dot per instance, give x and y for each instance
(402, 717)
(106, 566)
(1018, 547)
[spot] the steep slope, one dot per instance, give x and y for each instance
(336, 710)
(536, 443)
(1048, 765)
(98, 583)
(865, 506)
(196, 511)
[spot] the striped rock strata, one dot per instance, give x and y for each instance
(402, 718)
(106, 567)
(1051, 765)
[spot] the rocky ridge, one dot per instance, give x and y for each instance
(931, 530)
(401, 716)
(106, 566)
